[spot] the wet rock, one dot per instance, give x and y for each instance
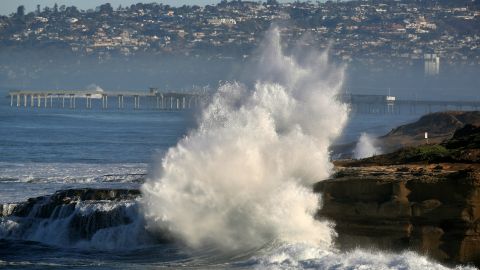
(73, 216)
(44, 206)
(85, 226)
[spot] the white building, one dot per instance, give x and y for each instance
(432, 64)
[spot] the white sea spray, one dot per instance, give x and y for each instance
(366, 147)
(243, 178)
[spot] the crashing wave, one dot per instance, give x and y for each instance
(84, 218)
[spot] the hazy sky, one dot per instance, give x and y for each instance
(9, 6)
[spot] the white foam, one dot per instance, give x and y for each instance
(244, 177)
(304, 256)
(71, 172)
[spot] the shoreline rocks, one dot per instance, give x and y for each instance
(434, 212)
(45, 205)
(424, 198)
(98, 218)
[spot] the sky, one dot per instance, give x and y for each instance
(10, 6)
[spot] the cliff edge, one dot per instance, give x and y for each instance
(424, 198)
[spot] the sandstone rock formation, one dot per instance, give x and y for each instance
(423, 198)
(424, 208)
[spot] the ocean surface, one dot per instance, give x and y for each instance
(46, 149)
(43, 150)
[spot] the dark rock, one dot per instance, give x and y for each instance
(465, 144)
(85, 226)
(78, 215)
(44, 206)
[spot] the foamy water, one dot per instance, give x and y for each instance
(71, 172)
(20, 181)
(301, 256)
(244, 177)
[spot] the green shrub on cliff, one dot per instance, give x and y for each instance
(429, 153)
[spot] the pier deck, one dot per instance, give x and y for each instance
(153, 99)
(68, 99)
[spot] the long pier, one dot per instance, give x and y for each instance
(137, 100)
(153, 99)
(384, 104)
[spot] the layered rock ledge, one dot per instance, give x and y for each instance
(424, 198)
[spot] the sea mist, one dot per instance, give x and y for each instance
(244, 177)
(366, 147)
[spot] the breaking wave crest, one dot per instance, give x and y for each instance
(304, 256)
(243, 178)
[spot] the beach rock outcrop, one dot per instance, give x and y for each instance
(424, 198)
(424, 208)
(99, 218)
(44, 206)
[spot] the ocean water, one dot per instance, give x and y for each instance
(45, 150)
(229, 188)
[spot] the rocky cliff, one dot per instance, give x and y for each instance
(425, 199)
(440, 127)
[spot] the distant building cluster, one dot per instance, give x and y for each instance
(400, 32)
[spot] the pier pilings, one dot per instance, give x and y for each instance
(139, 100)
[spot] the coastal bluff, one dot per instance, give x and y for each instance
(424, 198)
(440, 127)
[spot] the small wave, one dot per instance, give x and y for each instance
(72, 173)
(305, 256)
(9, 179)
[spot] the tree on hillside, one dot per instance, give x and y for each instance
(21, 11)
(106, 8)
